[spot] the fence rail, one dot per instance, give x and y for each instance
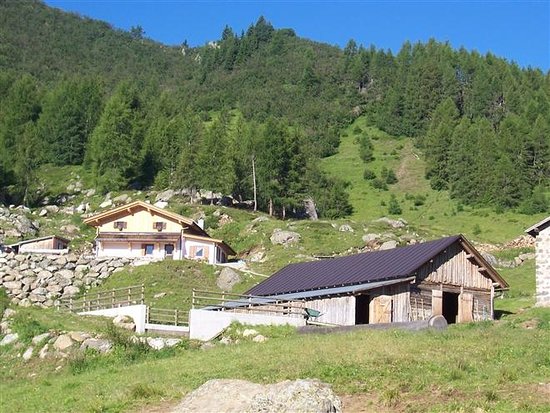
(222, 301)
(167, 316)
(117, 297)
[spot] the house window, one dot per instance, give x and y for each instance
(148, 249)
(159, 226)
(169, 249)
(120, 225)
(199, 252)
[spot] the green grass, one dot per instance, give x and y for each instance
(495, 367)
(439, 215)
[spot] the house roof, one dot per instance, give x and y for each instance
(29, 241)
(539, 226)
(105, 216)
(363, 268)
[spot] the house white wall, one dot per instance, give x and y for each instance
(135, 249)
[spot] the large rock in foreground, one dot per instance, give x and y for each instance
(235, 396)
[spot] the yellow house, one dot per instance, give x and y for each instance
(139, 229)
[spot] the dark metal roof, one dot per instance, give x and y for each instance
(354, 269)
(538, 227)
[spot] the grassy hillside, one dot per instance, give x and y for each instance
(438, 215)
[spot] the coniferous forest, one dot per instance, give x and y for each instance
(136, 113)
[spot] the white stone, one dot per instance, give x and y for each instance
(28, 354)
(249, 332)
(259, 339)
(161, 204)
(106, 203)
(36, 340)
(9, 339)
(156, 343)
(43, 353)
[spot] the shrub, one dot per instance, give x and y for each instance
(388, 176)
(357, 130)
(393, 207)
(369, 174)
(27, 327)
(477, 229)
(377, 183)
(419, 200)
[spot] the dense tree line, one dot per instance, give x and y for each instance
(483, 123)
(135, 113)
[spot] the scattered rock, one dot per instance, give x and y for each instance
(165, 195)
(79, 336)
(156, 343)
(249, 332)
(259, 339)
(8, 313)
(388, 245)
(491, 259)
(370, 237)
(225, 395)
(101, 345)
(9, 339)
(43, 212)
(284, 237)
(161, 204)
(227, 279)
(159, 295)
(125, 322)
(63, 342)
(171, 342)
(105, 204)
(345, 228)
(121, 199)
(394, 223)
(310, 209)
(43, 353)
(28, 354)
(36, 340)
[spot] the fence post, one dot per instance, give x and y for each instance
(176, 317)
(129, 296)
(193, 299)
(97, 302)
(70, 304)
(223, 300)
(142, 293)
(113, 299)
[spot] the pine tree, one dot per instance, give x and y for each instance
(437, 143)
(115, 143)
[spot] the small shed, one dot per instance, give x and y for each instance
(51, 244)
(446, 277)
(541, 232)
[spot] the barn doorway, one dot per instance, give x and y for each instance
(450, 306)
(362, 309)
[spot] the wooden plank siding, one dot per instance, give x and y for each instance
(453, 267)
(335, 310)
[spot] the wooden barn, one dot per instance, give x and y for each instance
(51, 244)
(446, 277)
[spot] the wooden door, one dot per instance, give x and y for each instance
(380, 309)
(437, 302)
(465, 308)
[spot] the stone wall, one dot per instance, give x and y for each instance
(36, 279)
(543, 268)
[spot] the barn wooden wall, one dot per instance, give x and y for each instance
(336, 310)
(452, 267)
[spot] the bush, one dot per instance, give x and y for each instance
(419, 200)
(393, 207)
(377, 183)
(357, 130)
(388, 176)
(477, 229)
(27, 327)
(369, 174)
(535, 204)
(366, 149)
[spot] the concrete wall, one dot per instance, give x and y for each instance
(137, 312)
(204, 325)
(542, 246)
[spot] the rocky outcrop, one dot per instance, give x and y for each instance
(37, 279)
(284, 237)
(15, 224)
(224, 395)
(227, 279)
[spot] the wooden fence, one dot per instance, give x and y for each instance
(167, 316)
(222, 301)
(118, 297)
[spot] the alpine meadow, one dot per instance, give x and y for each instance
(359, 192)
